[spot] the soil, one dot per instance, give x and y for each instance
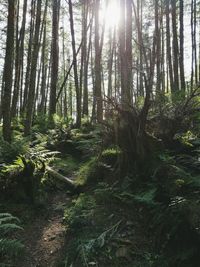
(44, 238)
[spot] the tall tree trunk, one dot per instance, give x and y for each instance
(181, 58)
(98, 93)
(168, 40)
(192, 36)
(31, 92)
(76, 80)
(122, 52)
(86, 54)
(2, 93)
(125, 44)
(55, 58)
(195, 42)
(8, 71)
(110, 61)
(158, 46)
(17, 68)
(129, 56)
(21, 57)
(29, 56)
(175, 46)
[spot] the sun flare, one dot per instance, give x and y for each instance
(110, 13)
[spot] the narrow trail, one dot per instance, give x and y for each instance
(44, 238)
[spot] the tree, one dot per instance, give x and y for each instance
(125, 44)
(168, 44)
(55, 58)
(181, 58)
(76, 80)
(97, 90)
(29, 57)
(8, 71)
(31, 92)
(175, 46)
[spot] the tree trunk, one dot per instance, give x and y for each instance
(17, 68)
(31, 92)
(175, 47)
(55, 59)
(76, 80)
(29, 57)
(98, 93)
(168, 40)
(181, 58)
(125, 44)
(8, 71)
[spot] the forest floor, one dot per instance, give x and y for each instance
(44, 237)
(44, 234)
(98, 220)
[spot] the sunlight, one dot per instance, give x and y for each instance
(111, 14)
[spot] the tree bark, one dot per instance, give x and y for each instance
(76, 80)
(175, 46)
(181, 58)
(31, 92)
(98, 93)
(168, 44)
(55, 58)
(8, 71)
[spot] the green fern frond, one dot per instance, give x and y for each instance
(10, 247)
(8, 227)
(9, 219)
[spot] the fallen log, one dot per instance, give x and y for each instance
(71, 184)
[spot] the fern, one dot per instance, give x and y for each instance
(6, 228)
(9, 247)
(9, 152)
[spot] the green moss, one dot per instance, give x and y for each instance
(66, 165)
(87, 172)
(110, 155)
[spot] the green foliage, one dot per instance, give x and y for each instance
(22, 177)
(92, 236)
(104, 192)
(86, 125)
(87, 172)
(81, 213)
(41, 123)
(87, 143)
(9, 247)
(67, 165)
(9, 152)
(14, 167)
(147, 197)
(110, 155)
(186, 138)
(88, 249)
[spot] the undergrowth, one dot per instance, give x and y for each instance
(168, 200)
(10, 247)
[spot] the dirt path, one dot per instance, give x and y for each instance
(44, 239)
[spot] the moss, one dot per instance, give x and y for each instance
(87, 172)
(66, 165)
(110, 155)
